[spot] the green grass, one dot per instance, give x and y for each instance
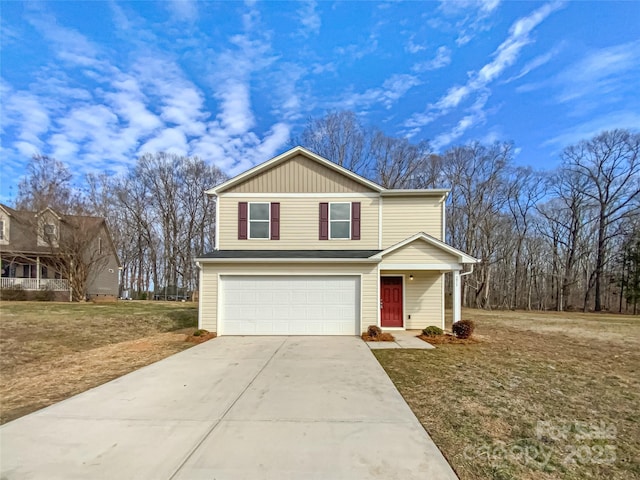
(514, 406)
(31, 331)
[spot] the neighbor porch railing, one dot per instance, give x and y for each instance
(55, 284)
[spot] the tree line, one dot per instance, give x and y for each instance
(563, 239)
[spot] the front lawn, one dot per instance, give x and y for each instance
(542, 396)
(51, 351)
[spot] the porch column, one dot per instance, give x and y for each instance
(457, 303)
(38, 273)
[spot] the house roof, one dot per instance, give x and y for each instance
(293, 254)
(24, 240)
(289, 154)
(421, 236)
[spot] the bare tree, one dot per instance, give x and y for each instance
(608, 165)
(47, 184)
(398, 163)
(340, 137)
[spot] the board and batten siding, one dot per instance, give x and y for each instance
(423, 299)
(299, 224)
(299, 175)
(419, 251)
(403, 217)
(210, 272)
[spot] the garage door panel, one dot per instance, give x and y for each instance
(289, 305)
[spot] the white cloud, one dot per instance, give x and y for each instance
(475, 116)
(442, 59)
(309, 18)
(413, 47)
(473, 17)
(170, 140)
(601, 72)
(535, 63)
(592, 127)
(392, 89)
(186, 10)
(504, 56)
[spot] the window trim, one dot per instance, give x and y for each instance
(268, 221)
(330, 220)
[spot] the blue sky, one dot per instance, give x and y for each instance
(96, 84)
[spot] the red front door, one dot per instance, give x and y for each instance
(391, 302)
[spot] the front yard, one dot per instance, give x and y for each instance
(51, 351)
(542, 396)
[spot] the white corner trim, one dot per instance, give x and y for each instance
(380, 224)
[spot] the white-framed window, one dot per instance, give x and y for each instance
(340, 221)
(49, 229)
(2, 235)
(259, 220)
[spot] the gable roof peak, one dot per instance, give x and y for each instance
(288, 155)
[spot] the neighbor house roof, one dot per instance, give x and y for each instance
(25, 241)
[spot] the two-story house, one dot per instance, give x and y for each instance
(37, 249)
(307, 247)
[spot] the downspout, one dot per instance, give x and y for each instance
(464, 275)
(199, 295)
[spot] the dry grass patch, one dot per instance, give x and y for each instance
(541, 397)
(446, 339)
(50, 352)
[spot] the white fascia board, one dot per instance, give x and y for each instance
(441, 267)
(287, 260)
(285, 156)
(423, 192)
(301, 195)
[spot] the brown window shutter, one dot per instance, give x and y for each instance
(355, 221)
(243, 213)
(275, 221)
(324, 221)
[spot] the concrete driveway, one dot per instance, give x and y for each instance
(232, 408)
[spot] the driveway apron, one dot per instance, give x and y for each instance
(232, 408)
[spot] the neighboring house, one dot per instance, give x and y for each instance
(306, 247)
(34, 246)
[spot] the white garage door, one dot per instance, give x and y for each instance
(289, 305)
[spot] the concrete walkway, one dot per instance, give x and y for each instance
(232, 408)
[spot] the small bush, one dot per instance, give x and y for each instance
(432, 331)
(374, 331)
(200, 333)
(463, 328)
(13, 293)
(45, 295)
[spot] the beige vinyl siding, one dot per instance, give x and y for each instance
(299, 225)
(209, 289)
(406, 216)
(422, 297)
(419, 251)
(299, 175)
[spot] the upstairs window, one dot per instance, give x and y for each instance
(2, 236)
(340, 221)
(259, 220)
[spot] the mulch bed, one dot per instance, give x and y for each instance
(201, 338)
(383, 337)
(448, 339)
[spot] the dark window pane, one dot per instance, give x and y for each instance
(340, 229)
(259, 229)
(259, 211)
(340, 211)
